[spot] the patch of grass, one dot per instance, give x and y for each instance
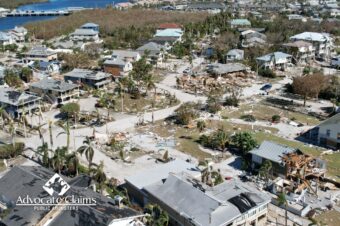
(187, 137)
(2, 165)
(265, 113)
(143, 103)
(330, 218)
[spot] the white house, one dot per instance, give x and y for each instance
(322, 42)
(18, 33)
(120, 63)
(6, 39)
(85, 34)
(301, 51)
(170, 32)
(235, 54)
(276, 60)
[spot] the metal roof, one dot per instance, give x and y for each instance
(240, 22)
(170, 32)
(272, 151)
(81, 31)
(312, 36)
(89, 25)
(273, 56)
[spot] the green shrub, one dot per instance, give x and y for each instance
(70, 109)
(267, 73)
(248, 118)
(232, 101)
(11, 151)
(276, 118)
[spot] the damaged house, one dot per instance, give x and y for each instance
(274, 61)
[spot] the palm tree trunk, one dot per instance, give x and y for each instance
(286, 215)
(51, 135)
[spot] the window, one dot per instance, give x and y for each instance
(328, 133)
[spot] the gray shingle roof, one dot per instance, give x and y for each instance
(87, 74)
(55, 85)
(14, 97)
(204, 205)
(153, 48)
(124, 53)
(29, 180)
(334, 120)
(272, 151)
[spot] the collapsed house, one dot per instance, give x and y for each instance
(301, 182)
(220, 76)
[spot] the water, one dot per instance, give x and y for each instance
(11, 22)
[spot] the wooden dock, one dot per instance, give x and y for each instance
(17, 13)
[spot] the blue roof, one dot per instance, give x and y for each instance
(169, 33)
(275, 55)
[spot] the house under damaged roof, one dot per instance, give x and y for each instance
(17, 102)
(190, 202)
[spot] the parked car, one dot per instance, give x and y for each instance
(187, 71)
(266, 87)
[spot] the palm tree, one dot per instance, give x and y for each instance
(4, 116)
(221, 139)
(99, 175)
(88, 150)
(66, 128)
(281, 199)
(39, 130)
(12, 130)
(44, 151)
(50, 123)
(121, 91)
(149, 83)
(72, 162)
(58, 160)
(265, 169)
